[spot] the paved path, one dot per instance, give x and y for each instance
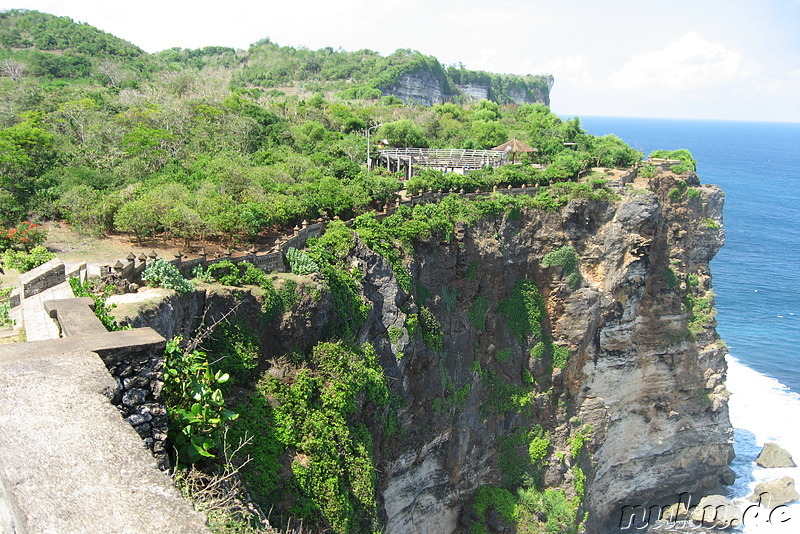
(69, 463)
(32, 316)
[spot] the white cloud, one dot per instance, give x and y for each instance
(690, 62)
(570, 70)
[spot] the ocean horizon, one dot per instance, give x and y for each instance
(755, 275)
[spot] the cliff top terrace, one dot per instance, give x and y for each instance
(458, 160)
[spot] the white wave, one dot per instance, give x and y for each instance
(762, 410)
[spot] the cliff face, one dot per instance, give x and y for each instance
(620, 375)
(651, 390)
(421, 87)
(426, 88)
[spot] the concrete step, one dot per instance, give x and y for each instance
(35, 319)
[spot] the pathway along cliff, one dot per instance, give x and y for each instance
(546, 369)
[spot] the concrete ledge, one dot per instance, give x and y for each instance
(69, 461)
(113, 346)
(75, 316)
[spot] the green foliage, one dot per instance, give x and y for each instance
(676, 193)
(525, 310)
(102, 309)
(692, 193)
(403, 133)
(710, 223)
(472, 270)
(195, 404)
(522, 457)
(687, 160)
(493, 498)
(247, 158)
(504, 355)
(538, 446)
(578, 439)
(5, 306)
(670, 278)
(476, 315)
(328, 475)
(234, 348)
(547, 511)
(412, 322)
(449, 297)
(25, 261)
(300, 262)
(503, 395)
(560, 356)
(566, 258)
(647, 171)
(700, 311)
(431, 329)
(328, 253)
(521, 501)
(288, 295)
(161, 273)
(395, 333)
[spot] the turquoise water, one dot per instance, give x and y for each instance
(756, 277)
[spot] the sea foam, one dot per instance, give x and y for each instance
(762, 410)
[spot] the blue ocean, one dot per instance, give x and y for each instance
(756, 275)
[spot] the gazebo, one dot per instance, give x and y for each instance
(514, 147)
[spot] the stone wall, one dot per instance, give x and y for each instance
(140, 381)
(42, 278)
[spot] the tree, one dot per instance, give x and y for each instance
(26, 151)
(184, 222)
(13, 69)
(136, 217)
(488, 134)
(403, 133)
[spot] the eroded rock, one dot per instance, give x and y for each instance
(774, 456)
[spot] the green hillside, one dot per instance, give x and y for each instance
(229, 145)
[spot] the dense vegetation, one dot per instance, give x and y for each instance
(218, 144)
(189, 144)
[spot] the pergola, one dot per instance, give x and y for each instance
(459, 160)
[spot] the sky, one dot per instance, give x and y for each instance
(687, 59)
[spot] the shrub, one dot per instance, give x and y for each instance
(566, 258)
(300, 262)
(5, 307)
(692, 193)
(194, 401)
(161, 273)
(102, 310)
(670, 278)
(25, 261)
(477, 313)
(431, 330)
(524, 310)
(25, 236)
(647, 171)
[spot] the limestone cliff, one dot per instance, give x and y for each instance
(434, 86)
(642, 373)
(620, 380)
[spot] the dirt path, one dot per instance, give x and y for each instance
(73, 248)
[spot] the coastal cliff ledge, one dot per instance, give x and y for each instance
(564, 356)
